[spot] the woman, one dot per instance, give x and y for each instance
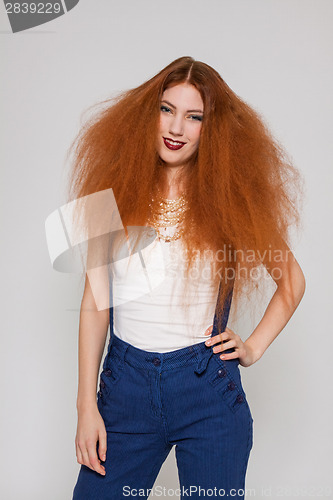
(185, 156)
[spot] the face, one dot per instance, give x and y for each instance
(181, 114)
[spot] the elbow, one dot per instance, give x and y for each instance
(303, 285)
(297, 285)
(293, 289)
(298, 290)
(300, 284)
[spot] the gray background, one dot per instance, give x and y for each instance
(276, 55)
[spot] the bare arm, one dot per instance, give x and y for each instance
(90, 429)
(290, 281)
(92, 335)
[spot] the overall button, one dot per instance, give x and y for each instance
(231, 386)
(108, 372)
(240, 398)
(156, 361)
(222, 372)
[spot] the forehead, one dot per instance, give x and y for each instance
(183, 96)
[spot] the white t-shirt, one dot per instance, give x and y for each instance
(147, 296)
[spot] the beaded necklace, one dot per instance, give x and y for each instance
(168, 213)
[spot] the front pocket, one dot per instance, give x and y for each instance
(227, 386)
(113, 367)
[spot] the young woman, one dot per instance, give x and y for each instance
(189, 159)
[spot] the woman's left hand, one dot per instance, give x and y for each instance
(242, 350)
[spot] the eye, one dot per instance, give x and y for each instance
(197, 117)
(165, 108)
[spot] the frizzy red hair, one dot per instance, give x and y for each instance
(241, 187)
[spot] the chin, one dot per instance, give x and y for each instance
(174, 162)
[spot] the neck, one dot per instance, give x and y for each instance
(172, 187)
(172, 194)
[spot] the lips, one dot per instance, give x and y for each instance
(173, 145)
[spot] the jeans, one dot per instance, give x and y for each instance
(150, 401)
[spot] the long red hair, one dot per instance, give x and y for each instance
(241, 187)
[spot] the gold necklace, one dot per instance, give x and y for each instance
(168, 213)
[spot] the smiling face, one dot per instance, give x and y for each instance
(181, 114)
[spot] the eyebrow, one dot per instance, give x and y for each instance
(188, 111)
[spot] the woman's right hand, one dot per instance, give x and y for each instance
(90, 429)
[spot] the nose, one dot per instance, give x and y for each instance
(176, 127)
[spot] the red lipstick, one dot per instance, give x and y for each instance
(174, 145)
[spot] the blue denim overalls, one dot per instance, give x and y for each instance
(150, 401)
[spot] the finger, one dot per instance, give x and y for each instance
(225, 346)
(79, 457)
(227, 334)
(228, 345)
(216, 338)
(93, 459)
(102, 446)
(229, 355)
(85, 456)
(209, 330)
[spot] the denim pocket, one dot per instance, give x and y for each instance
(113, 367)
(225, 379)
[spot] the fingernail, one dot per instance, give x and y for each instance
(208, 342)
